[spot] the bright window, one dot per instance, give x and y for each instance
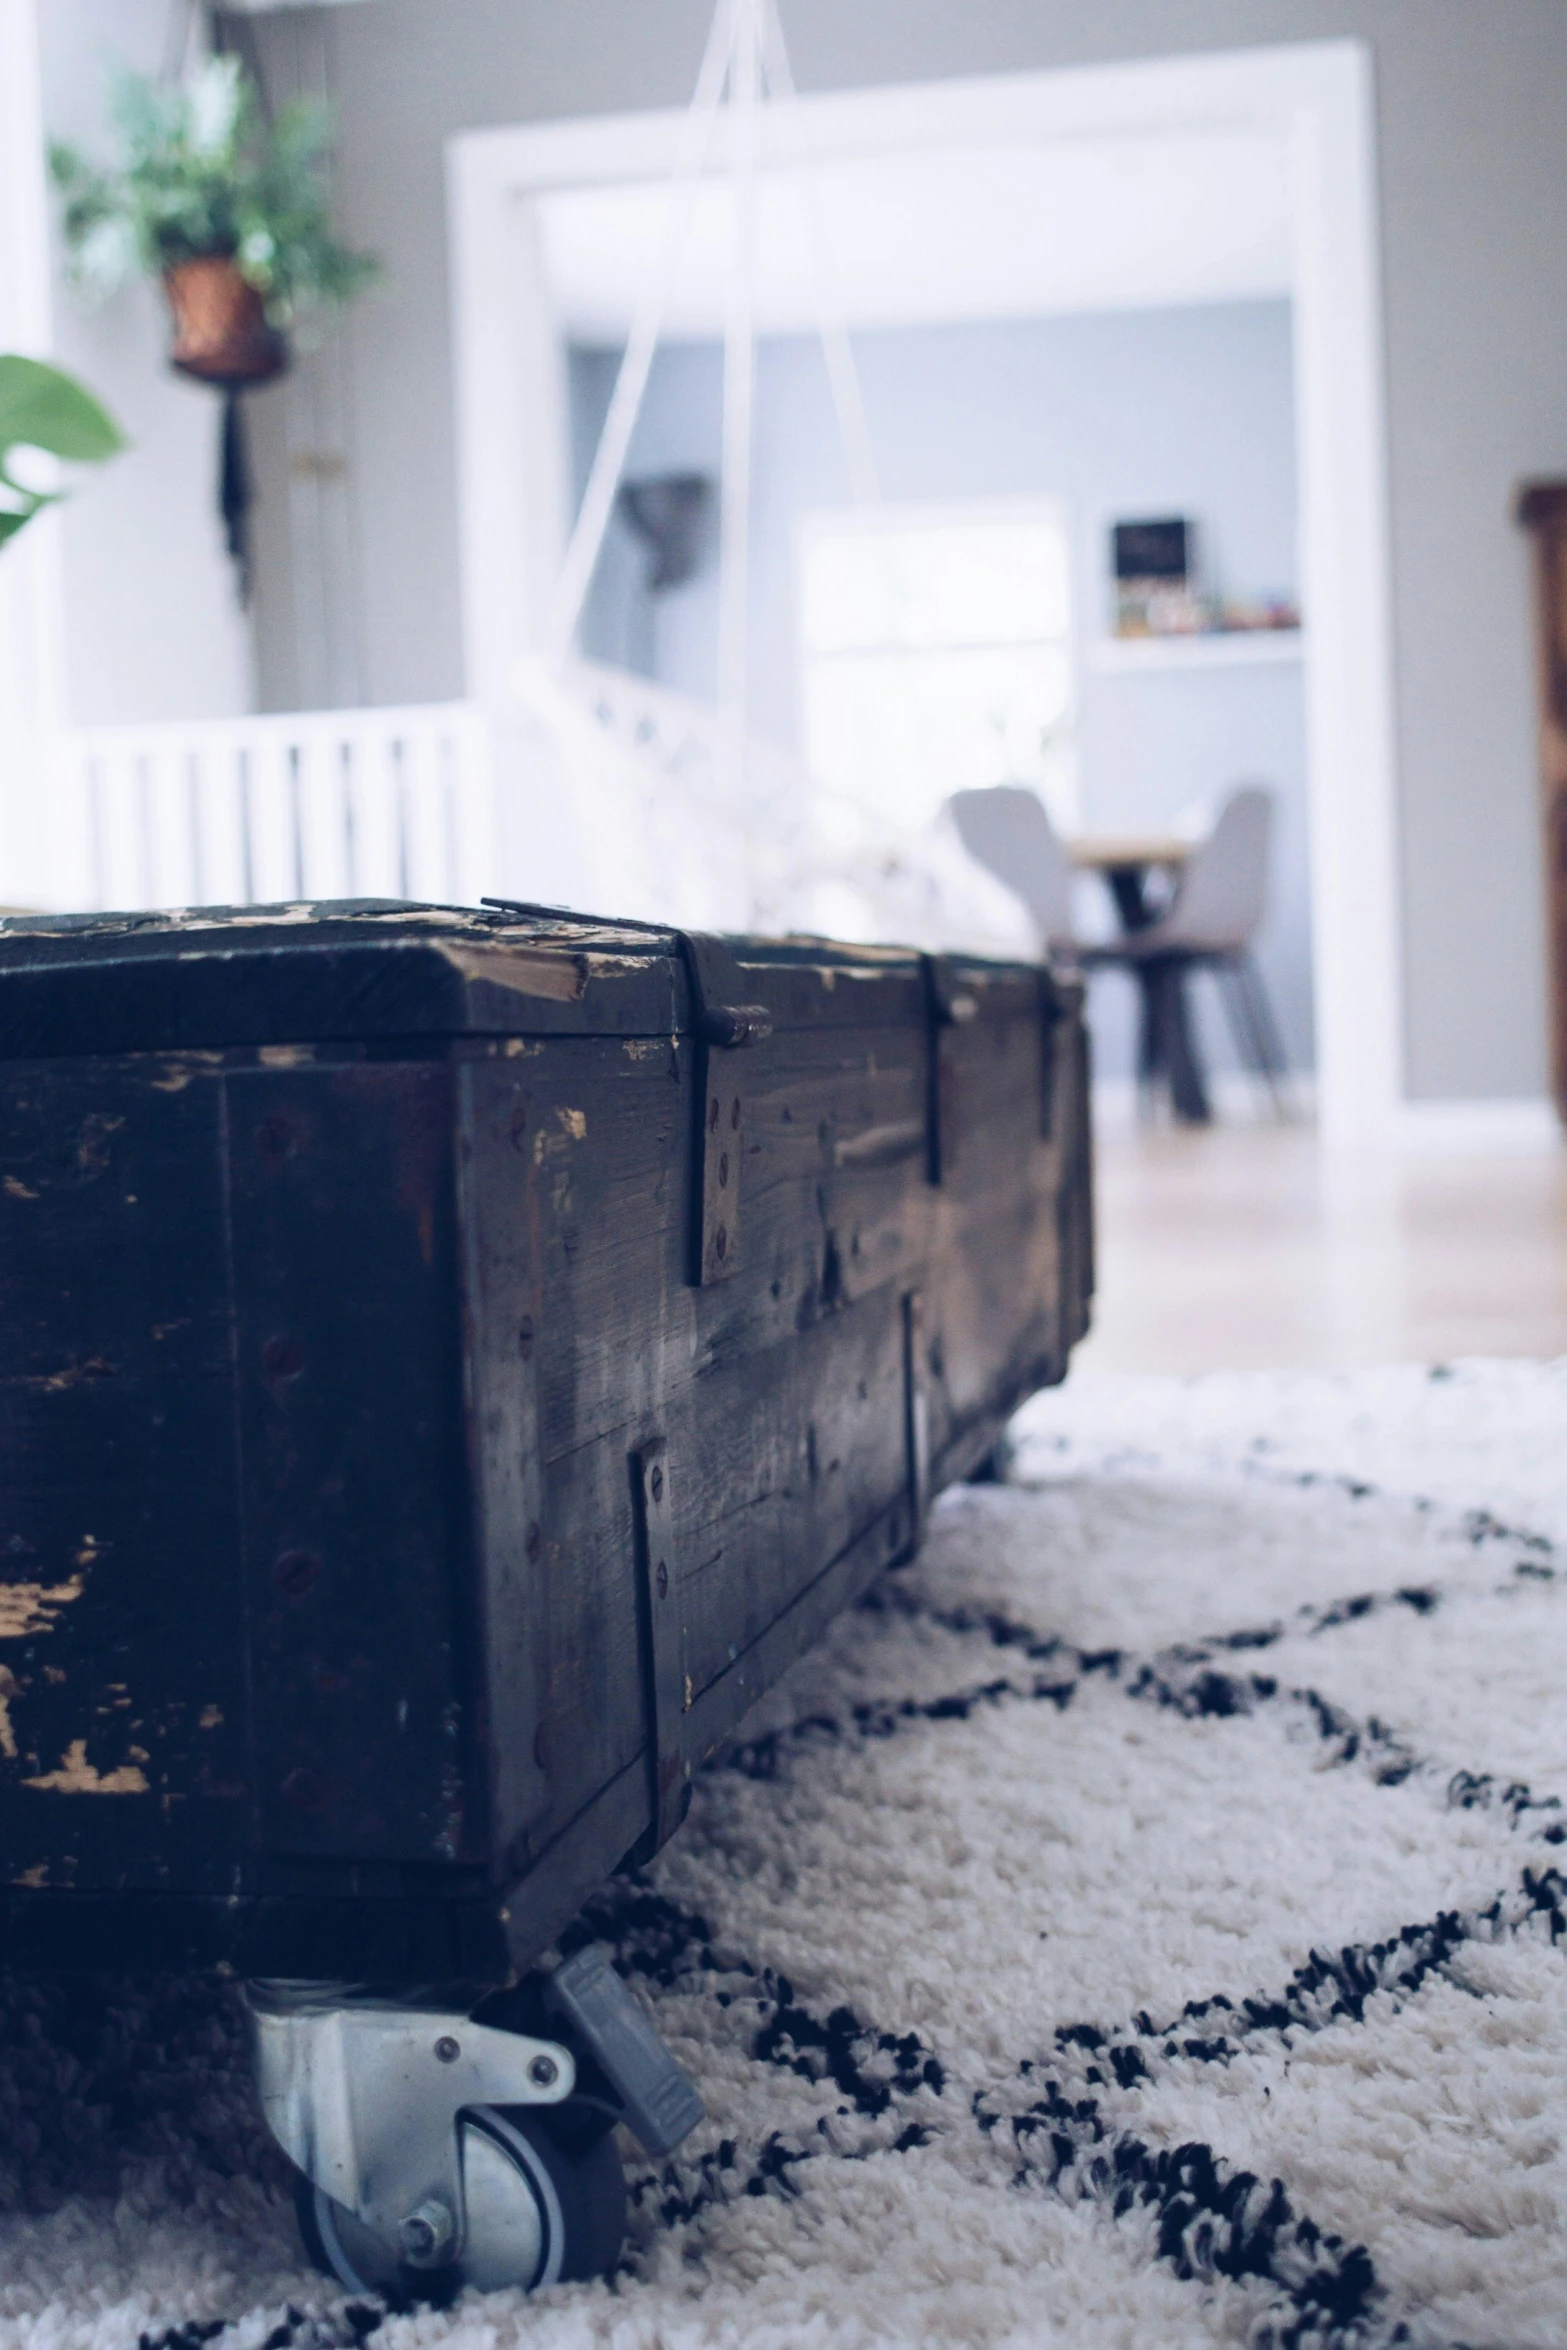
(937, 654)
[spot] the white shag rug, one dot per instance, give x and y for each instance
(1143, 1923)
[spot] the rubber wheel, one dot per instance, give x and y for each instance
(541, 2211)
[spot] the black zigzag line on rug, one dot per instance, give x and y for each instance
(1215, 2220)
(1212, 2219)
(1331, 1987)
(1477, 1527)
(340, 2329)
(1182, 1678)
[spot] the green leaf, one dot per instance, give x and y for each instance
(202, 169)
(42, 408)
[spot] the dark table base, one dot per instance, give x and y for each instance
(1166, 1047)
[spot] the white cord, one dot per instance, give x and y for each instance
(843, 375)
(734, 563)
(744, 43)
(598, 499)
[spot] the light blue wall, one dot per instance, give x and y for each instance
(1174, 411)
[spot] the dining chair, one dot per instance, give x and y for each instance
(1005, 828)
(1213, 918)
(1210, 923)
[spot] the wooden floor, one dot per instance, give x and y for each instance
(1246, 1247)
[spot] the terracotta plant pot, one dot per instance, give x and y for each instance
(221, 335)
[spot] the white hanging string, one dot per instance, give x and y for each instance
(598, 498)
(843, 375)
(745, 45)
(739, 377)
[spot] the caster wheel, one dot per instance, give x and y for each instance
(540, 2212)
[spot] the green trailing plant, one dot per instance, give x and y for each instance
(43, 408)
(203, 173)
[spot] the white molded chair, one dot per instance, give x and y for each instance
(1215, 914)
(1006, 830)
(1209, 924)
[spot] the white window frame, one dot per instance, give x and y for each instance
(938, 514)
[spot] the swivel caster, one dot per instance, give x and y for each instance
(437, 2152)
(536, 2214)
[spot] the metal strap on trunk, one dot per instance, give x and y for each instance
(1054, 1002)
(722, 1024)
(948, 1004)
(666, 1683)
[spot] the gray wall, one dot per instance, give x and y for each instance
(1167, 411)
(1472, 105)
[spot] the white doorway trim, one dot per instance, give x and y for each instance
(32, 588)
(513, 460)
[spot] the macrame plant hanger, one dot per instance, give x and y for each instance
(745, 56)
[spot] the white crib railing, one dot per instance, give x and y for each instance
(589, 788)
(250, 811)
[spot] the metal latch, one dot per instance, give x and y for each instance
(721, 1024)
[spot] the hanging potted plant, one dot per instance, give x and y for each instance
(229, 210)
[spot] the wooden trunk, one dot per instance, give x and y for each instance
(450, 1364)
(1542, 510)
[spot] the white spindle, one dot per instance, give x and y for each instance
(388, 803)
(122, 807)
(225, 847)
(470, 785)
(323, 826)
(170, 861)
(426, 832)
(377, 828)
(274, 841)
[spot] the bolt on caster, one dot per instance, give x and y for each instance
(436, 2151)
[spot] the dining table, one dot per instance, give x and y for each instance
(1141, 871)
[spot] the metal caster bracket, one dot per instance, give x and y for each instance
(365, 2101)
(366, 2098)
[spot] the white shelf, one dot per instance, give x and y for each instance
(1240, 648)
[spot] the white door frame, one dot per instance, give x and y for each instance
(513, 460)
(32, 595)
